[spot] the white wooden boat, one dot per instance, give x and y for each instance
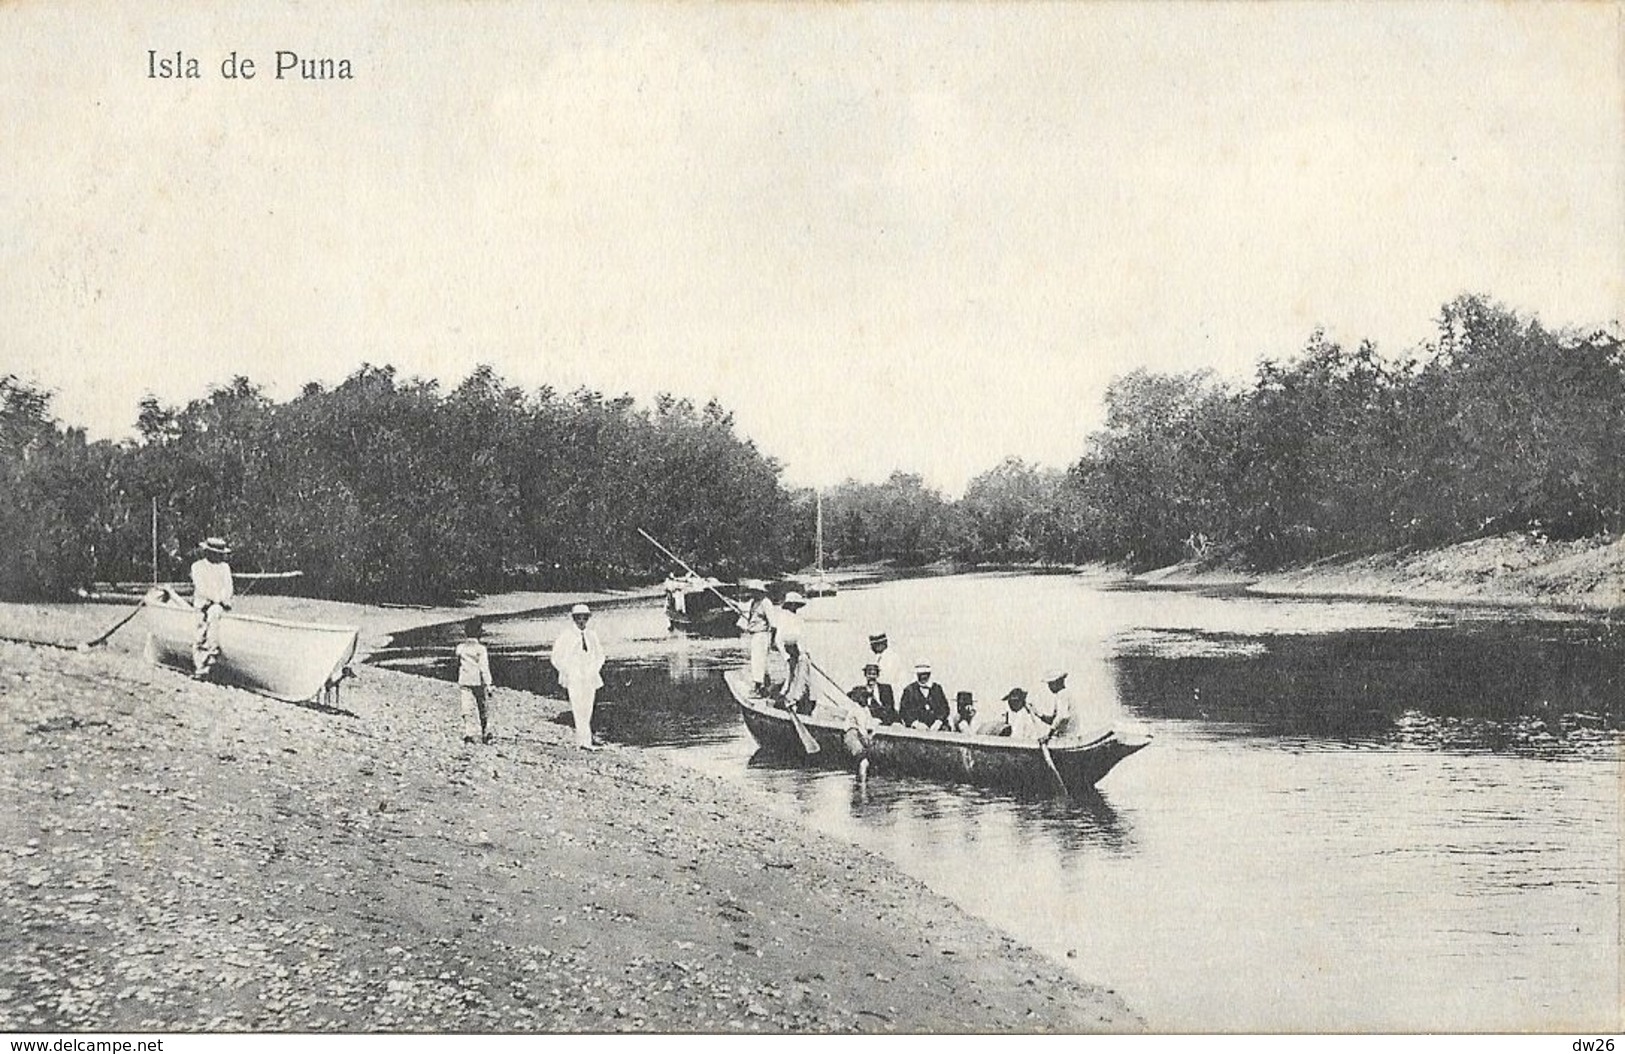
(293, 661)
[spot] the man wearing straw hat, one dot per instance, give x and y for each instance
(211, 596)
(578, 655)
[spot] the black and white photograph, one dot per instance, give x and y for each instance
(829, 518)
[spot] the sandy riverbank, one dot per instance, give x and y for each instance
(187, 857)
(1514, 570)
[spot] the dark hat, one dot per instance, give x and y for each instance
(473, 627)
(875, 666)
(963, 697)
(877, 638)
(1014, 696)
(858, 694)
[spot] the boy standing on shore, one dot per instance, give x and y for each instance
(474, 684)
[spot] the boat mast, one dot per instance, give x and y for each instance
(820, 531)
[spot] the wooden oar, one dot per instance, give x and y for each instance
(1049, 763)
(808, 742)
(152, 596)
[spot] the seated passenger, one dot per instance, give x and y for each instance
(877, 697)
(965, 716)
(1022, 723)
(924, 704)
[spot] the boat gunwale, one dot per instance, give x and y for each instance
(266, 620)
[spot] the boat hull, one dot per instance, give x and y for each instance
(292, 661)
(993, 761)
(703, 612)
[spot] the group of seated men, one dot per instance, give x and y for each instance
(923, 703)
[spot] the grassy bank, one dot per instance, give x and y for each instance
(180, 856)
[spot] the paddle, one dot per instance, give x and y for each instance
(151, 596)
(1049, 763)
(808, 742)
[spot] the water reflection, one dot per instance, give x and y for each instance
(1354, 816)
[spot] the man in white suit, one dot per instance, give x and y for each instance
(579, 657)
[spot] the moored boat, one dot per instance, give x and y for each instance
(292, 661)
(985, 760)
(694, 606)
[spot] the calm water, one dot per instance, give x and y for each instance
(1355, 816)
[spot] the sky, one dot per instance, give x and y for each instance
(887, 236)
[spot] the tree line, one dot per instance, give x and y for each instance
(1500, 424)
(386, 488)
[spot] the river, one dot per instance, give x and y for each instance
(1354, 815)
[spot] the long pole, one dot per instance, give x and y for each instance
(155, 540)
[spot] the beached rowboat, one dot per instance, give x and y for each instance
(986, 760)
(292, 661)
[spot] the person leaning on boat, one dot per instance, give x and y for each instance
(756, 627)
(924, 704)
(578, 656)
(211, 596)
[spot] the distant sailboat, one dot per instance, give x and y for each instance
(819, 584)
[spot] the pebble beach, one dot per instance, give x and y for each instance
(186, 857)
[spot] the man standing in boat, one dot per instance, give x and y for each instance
(756, 627)
(211, 596)
(578, 656)
(788, 631)
(924, 704)
(894, 672)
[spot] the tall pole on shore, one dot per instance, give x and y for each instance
(155, 540)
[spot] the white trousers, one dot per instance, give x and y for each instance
(581, 704)
(758, 656)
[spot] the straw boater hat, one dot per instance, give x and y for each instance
(754, 585)
(580, 609)
(877, 638)
(215, 544)
(922, 667)
(1055, 674)
(875, 666)
(793, 599)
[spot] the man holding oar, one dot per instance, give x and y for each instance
(756, 624)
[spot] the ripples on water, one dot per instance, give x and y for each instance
(1355, 815)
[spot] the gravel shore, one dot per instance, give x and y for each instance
(183, 857)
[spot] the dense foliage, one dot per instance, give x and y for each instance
(383, 488)
(1499, 425)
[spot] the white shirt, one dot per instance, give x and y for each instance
(789, 626)
(893, 670)
(578, 656)
(473, 664)
(1052, 705)
(211, 583)
(1024, 724)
